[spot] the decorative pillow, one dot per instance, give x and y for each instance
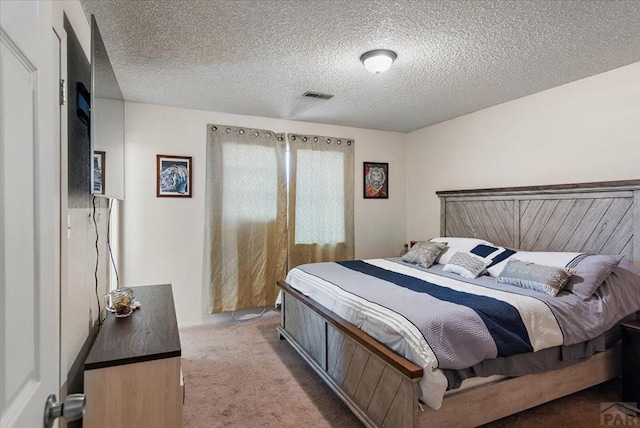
(591, 271)
(457, 244)
(548, 258)
(546, 279)
(496, 254)
(424, 253)
(484, 250)
(466, 264)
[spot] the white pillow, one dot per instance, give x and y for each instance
(457, 244)
(468, 265)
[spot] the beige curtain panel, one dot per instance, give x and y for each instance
(320, 199)
(246, 227)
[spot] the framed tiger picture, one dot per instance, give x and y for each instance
(376, 180)
(173, 176)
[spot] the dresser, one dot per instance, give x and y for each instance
(132, 373)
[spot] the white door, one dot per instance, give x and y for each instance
(29, 212)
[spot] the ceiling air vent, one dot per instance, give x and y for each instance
(319, 95)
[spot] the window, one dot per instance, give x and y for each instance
(257, 228)
(250, 184)
(246, 207)
(320, 198)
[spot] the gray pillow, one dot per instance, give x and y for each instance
(546, 279)
(590, 273)
(424, 253)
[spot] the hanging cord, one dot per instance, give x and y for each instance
(113, 262)
(248, 319)
(95, 272)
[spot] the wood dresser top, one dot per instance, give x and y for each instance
(149, 333)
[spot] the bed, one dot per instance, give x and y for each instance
(383, 388)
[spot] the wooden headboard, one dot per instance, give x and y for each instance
(597, 218)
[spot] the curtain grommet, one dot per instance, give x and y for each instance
(241, 132)
(228, 130)
(257, 134)
(214, 128)
(328, 140)
(315, 139)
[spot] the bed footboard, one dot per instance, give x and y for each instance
(379, 386)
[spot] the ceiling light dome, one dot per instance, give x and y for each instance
(378, 60)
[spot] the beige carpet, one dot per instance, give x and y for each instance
(239, 375)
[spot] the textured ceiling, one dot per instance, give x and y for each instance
(454, 57)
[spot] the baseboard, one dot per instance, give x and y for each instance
(227, 317)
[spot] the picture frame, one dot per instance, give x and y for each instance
(173, 176)
(99, 172)
(375, 180)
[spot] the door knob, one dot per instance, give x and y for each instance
(71, 409)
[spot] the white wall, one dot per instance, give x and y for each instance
(584, 131)
(162, 238)
(108, 135)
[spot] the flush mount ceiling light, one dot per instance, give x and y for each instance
(378, 60)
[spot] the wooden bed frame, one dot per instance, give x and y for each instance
(381, 387)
